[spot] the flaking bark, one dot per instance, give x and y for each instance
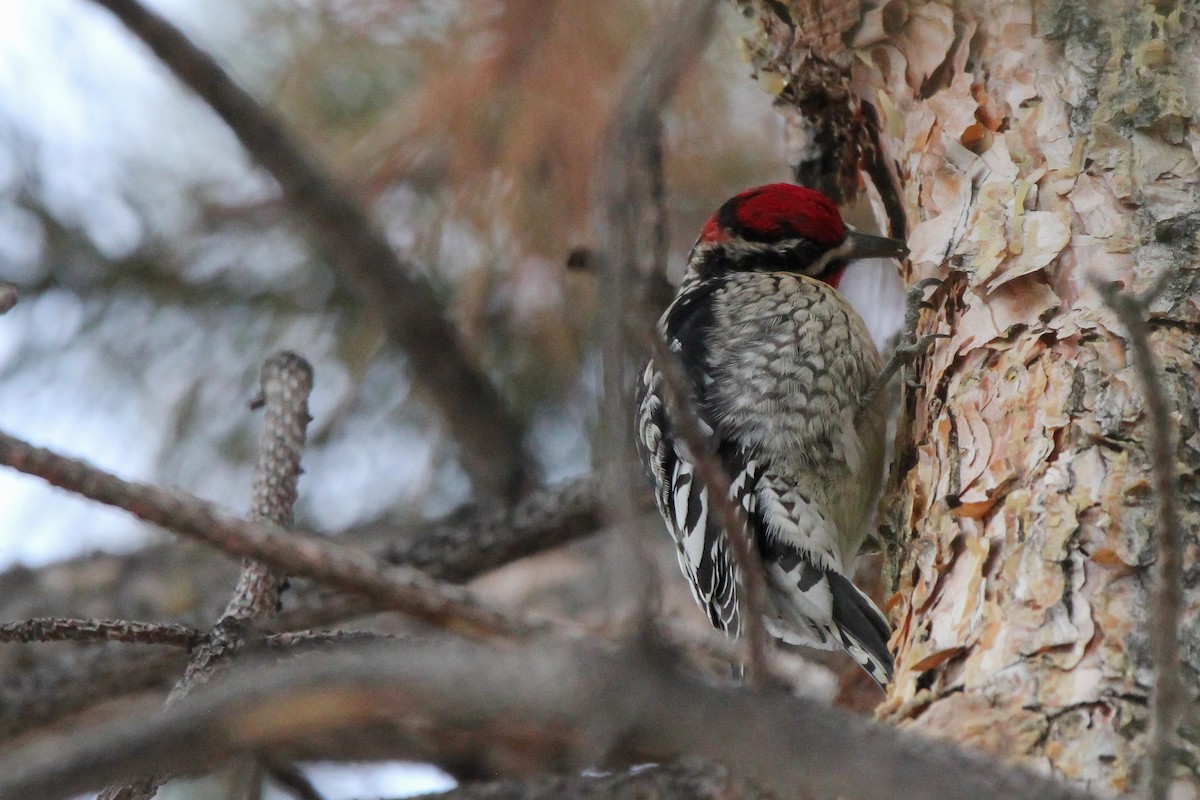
(1035, 147)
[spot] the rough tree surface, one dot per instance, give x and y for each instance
(1031, 148)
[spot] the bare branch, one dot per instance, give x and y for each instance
(63, 629)
(286, 383)
(547, 706)
(391, 588)
(488, 435)
(631, 189)
(59, 629)
(1169, 699)
(457, 548)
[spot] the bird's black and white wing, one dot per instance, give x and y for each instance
(682, 498)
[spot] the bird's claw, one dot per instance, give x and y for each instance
(909, 344)
(912, 345)
(916, 300)
(918, 348)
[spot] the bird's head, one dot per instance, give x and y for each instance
(782, 227)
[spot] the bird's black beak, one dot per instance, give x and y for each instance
(859, 245)
(865, 245)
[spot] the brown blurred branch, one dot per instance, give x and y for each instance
(631, 190)
(627, 219)
(391, 588)
(542, 707)
(470, 544)
(487, 434)
(1169, 700)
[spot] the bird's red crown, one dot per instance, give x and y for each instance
(776, 212)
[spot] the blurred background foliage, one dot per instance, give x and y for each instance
(158, 267)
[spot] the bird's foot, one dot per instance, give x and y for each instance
(909, 345)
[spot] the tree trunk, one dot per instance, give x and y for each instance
(1029, 150)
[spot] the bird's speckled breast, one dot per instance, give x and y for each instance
(790, 371)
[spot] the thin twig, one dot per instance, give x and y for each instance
(661, 242)
(1168, 699)
(752, 580)
(487, 433)
(66, 629)
(286, 382)
(887, 183)
(390, 588)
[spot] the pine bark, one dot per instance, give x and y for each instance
(1027, 151)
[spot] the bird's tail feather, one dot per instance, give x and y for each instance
(864, 630)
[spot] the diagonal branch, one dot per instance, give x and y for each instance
(488, 435)
(457, 548)
(464, 548)
(388, 587)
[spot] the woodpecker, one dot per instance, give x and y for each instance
(777, 364)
